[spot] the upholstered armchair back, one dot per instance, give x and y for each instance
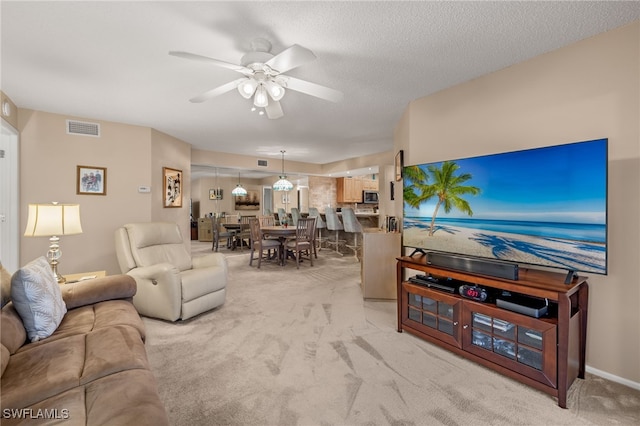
(147, 244)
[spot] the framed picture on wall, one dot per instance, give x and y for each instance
(215, 194)
(91, 180)
(251, 201)
(399, 163)
(172, 187)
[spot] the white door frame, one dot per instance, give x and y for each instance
(267, 199)
(9, 198)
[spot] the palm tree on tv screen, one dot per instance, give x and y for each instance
(447, 186)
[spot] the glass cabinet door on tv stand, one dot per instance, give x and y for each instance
(534, 351)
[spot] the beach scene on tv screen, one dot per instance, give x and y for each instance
(544, 206)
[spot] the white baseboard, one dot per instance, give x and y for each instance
(613, 378)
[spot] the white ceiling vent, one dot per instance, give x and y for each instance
(83, 128)
(262, 163)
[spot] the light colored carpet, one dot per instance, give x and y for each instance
(301, 347)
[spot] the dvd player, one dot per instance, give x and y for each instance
(444, 284)
(526, 305)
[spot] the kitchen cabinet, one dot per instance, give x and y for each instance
(349, 190)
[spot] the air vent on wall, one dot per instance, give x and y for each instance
(262, 163)
(83, 128)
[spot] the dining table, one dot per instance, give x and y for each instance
(282, 233)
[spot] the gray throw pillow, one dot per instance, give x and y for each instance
(36, 296)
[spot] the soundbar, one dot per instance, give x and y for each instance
(473, 265)
(449, 286)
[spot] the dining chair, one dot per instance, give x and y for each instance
(220, 231)
(334, 224)
(260, 244)
(352, 226)
(244, 232)
(267, 221)
(303, 242)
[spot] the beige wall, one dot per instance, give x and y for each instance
(227, 204)
(132, 155)
(167, 151)
(585, 91)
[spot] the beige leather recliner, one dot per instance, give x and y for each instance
(171, 285)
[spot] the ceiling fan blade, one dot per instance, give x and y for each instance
(187, 55)
(290, 58)
(309, 88)
(217, 91)
(274, 110)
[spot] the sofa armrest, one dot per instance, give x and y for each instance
(97, 290)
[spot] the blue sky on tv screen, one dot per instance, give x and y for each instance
(562, 183)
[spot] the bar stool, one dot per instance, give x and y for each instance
(352, 226)
(295, 215)
(320, 225)
(334, 224)
(282, 216)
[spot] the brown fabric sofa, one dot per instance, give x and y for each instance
(92, 370)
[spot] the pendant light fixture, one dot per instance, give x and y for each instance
(239, 191)
(282, 184)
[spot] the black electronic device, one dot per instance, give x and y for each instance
(526, 305)
(473, 292)
(444, 284)
(473, 265)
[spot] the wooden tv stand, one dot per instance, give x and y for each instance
(546, 353)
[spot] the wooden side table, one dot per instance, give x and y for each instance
(74, 278)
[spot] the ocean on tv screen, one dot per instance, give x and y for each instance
(532, 207)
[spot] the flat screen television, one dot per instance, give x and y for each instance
(544, 206)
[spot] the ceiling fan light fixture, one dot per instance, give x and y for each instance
(247, 88)
(260, 99)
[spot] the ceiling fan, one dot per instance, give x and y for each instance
(263, 76)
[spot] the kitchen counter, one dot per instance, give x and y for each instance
(366, 219)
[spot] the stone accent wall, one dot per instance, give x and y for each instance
(322, 192)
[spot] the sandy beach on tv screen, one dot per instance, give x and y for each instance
(552, 252)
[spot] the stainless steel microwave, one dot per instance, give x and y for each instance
(370, 197)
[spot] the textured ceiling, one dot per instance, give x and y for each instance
(109, 61)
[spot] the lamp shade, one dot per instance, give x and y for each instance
(247, 88)
(282, 184)
(275, 90)
(46, 220)
(260, 99)
(239, 191)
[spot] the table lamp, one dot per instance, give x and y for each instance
(52, 220)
